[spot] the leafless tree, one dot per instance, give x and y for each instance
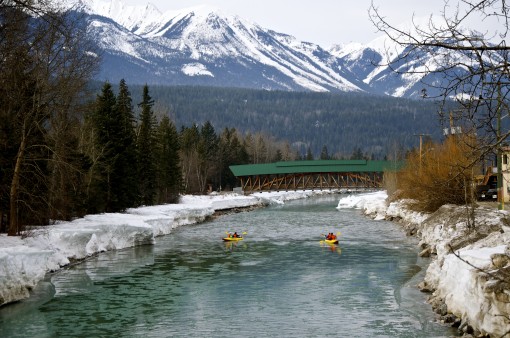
(45, 63)
(466, 65)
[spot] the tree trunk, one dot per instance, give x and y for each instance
(13, 197)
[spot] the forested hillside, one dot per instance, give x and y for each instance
(343, 122)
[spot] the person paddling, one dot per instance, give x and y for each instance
(330, 236)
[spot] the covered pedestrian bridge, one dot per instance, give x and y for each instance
(306, 175)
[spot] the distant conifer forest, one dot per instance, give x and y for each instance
(344, 123)
(115, 150)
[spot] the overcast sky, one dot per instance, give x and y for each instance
(324, 22)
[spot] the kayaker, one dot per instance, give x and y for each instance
(235, 235)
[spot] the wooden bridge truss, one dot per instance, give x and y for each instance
(311, 181)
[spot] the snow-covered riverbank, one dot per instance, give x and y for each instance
(25, 261)
(460, 291)
(471, 286)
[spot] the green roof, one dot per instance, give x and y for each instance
(319, 166)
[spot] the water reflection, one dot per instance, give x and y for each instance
(276, 282)
(231, 246)
(332, 247)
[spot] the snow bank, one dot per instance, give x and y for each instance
(473, 280)
(24, 262)
(21, 268)
(480, 299)
(373, 204)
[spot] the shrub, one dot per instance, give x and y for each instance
(441, 174)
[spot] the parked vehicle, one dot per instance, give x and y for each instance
(489, 195)
(481, 192)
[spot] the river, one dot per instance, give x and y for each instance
(280, 281)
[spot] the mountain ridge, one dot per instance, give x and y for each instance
(202, 46)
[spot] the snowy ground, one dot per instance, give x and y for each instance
(25, 261)
(479, 299)
(473, 280)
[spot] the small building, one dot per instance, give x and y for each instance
(505, 170)
(489, 179)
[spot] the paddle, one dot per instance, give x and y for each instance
(323, 240)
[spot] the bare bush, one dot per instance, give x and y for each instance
(440, 174)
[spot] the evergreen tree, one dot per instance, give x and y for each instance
(169, 170)
(99, 192)
(146, 150)
(324, 153)
(232, 152)
(125, 167)
(278, 156)
(114, 186)
(357, 154)
(207, 152)
(309, 155)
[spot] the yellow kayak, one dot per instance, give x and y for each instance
(331, 241)
(232, 239)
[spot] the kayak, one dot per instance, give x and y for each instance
(331, 241)
(232, 239)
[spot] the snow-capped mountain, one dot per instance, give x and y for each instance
(203, 46)
(371, 64)
(390, 68)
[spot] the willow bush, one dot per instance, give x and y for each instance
(442, 174)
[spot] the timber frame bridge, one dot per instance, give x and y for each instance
(310, 175)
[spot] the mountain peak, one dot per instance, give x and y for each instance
(203, 10)
(201, 45)
(128, 16)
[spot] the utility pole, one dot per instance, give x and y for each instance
(501, 197)
(421, 146)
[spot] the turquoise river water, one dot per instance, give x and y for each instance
(280, 281)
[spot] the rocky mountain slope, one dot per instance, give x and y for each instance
(203, 46)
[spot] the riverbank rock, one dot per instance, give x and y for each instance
(469, 274)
